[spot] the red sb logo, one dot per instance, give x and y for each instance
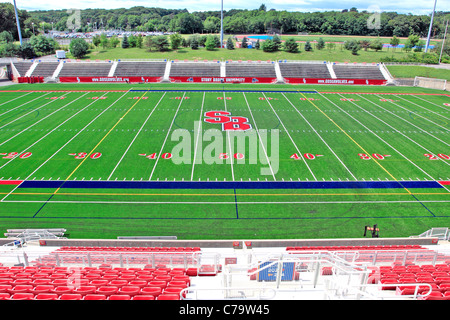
(228, 123)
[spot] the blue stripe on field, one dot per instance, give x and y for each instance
(230, 184)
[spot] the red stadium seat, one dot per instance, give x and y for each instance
(22, 296)
(107, 290)
(95, 297)
(118, 283)
(129, 290)
(154, 291)
(138, 283)
(4, 296)
(46, 296)
(119, 297)
(157, 283)
(144, 297)
(63, 289)
(44, 288)
(83, 290)
(99, 282)
(168, 297)
(70, 296)
(25, 288)
(5, 288)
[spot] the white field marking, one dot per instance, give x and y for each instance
(65, 145)
(320, 137)
(32, 111)
(260, 141)
(442, 107)
(229, 141)
(415, 113)
(406, 121)
(228, 202)
(137, 134)
(168, 133)
(295, 145)
(379, 137)
(399, 131)
(437, 113)
(52, 129)
(198, 135)
(35, 123)
(16, 99)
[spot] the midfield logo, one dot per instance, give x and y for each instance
(228, 123)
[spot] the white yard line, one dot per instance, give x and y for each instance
(260, 140)
(295, 145)
(31, 112)
(65, 144)
(198, 135)
(435, 104)
(16, 99)
(405, 121)
(135, 137)
(415, 114)
(229, 141)
(436, 113)
(52, 130)
(168, 133)
(387, 124)
(35, 123)
(332, 151)
(381, 139)
(23, 104)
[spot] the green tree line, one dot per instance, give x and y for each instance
(236, 21)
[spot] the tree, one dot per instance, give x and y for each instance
(175, 41)
(277, 42)
(96, 40)
(78, 48)
(104, 41)
(230, 44)
(125, 43)
(161, 43)
(320, 44)
(257, 45)
(114, 41)
(210, 43)
(376, 45)
(42, 45)
(308, 46)
(365, 44)
(352, 46)
(6, 37)
(244, 43)
(394, 42)
(290, 45)
(269, 46)
(194, 43)
(26, 51)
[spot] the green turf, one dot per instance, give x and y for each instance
(338, 123)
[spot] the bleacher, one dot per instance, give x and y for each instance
(45, 69)
(305, 70)
(243, 69)
(89, 69)
(343, 71)
(140, 69)
(92, 283)
(22, 67)
(195, 69)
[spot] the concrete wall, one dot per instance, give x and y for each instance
(229, 243)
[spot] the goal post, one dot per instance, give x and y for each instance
(431, 83)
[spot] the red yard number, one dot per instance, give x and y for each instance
(12, 155)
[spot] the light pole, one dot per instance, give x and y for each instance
(431, 25)
(18, 23)
(221, 25)
(443, 42)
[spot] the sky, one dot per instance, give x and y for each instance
(400, 6)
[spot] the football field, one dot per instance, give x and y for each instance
(224, 164)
